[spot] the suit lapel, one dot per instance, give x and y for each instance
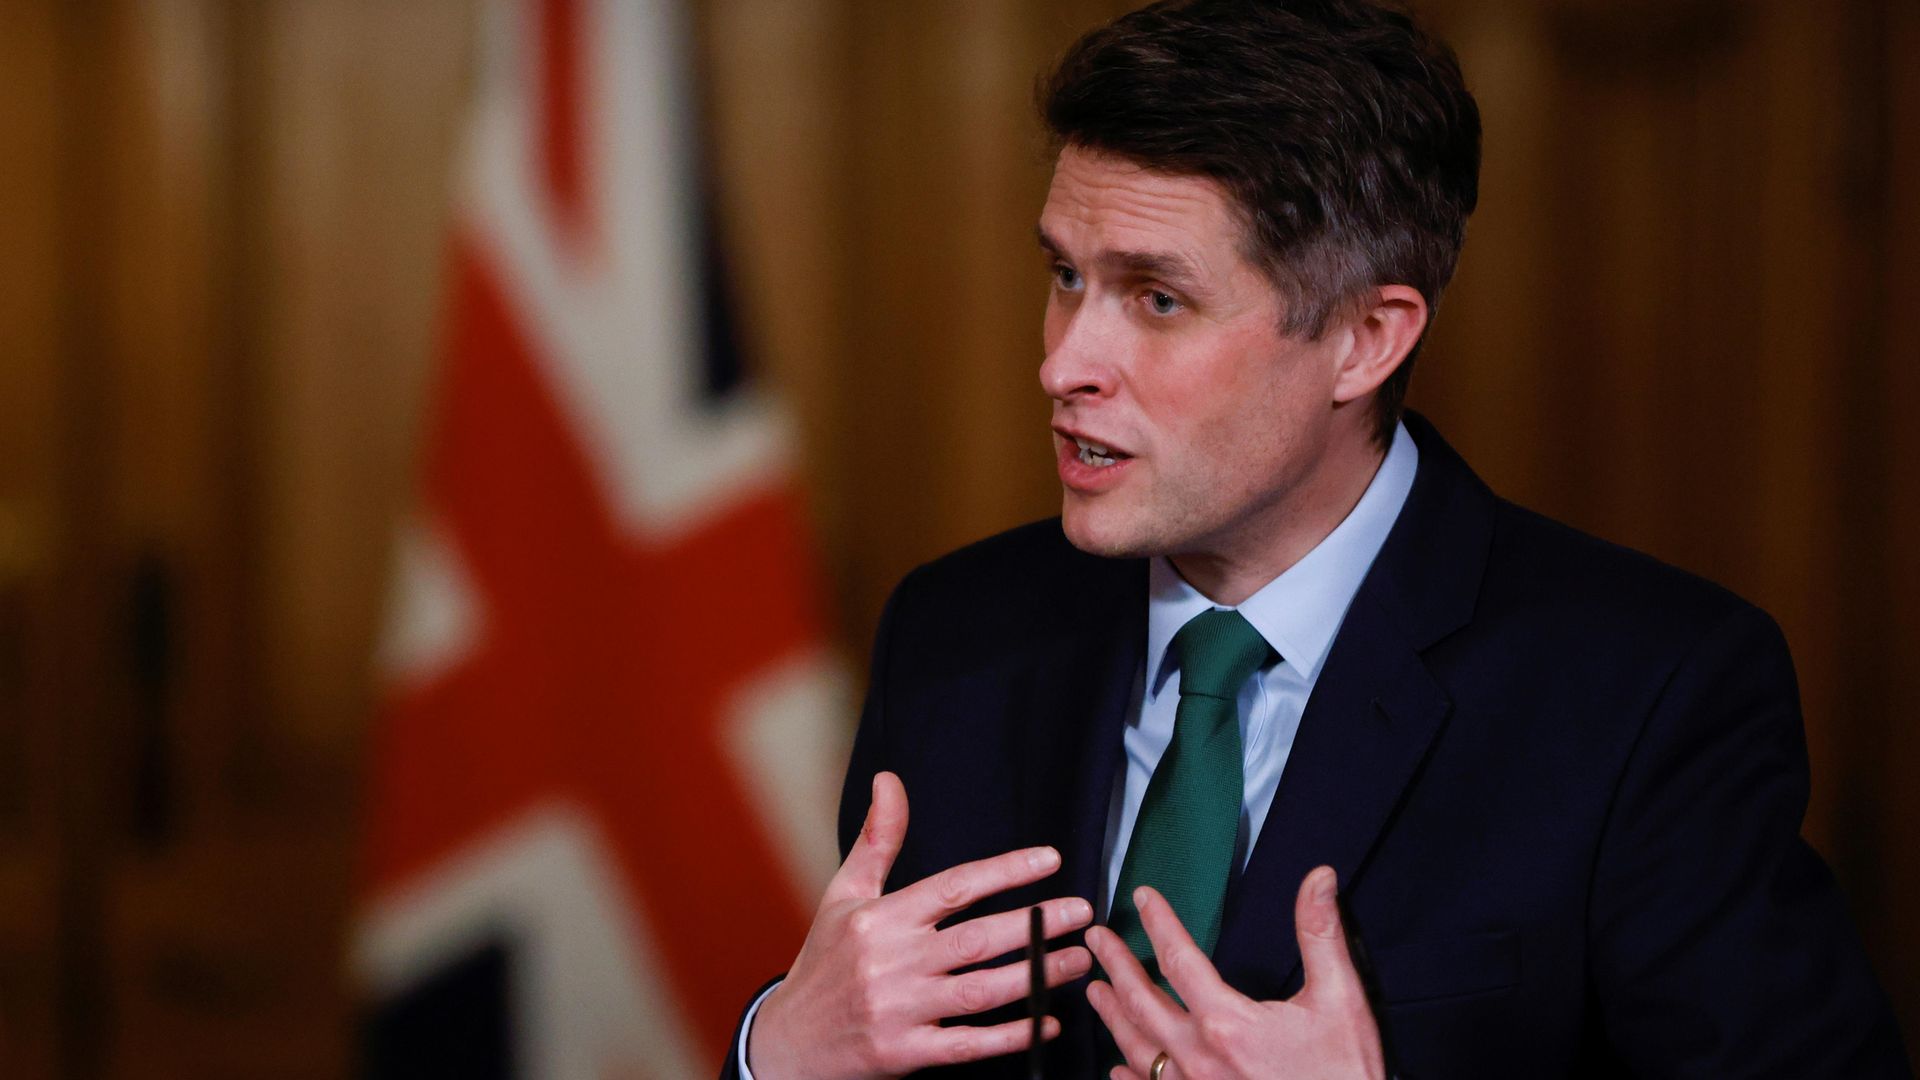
(1373, 715)
(1080, 703)
(1075, 700)
(1071, 694)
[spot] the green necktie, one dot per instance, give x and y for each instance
(1183, 838)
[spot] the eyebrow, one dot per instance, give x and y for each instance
(1172, 269)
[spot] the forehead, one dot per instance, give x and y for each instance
(1103, 202)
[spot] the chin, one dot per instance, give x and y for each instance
(1097, 534)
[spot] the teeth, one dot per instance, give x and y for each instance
(1088, 457)
(1095, 447)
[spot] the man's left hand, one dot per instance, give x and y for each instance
(1324, 1031)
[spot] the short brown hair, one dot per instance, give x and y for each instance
(1344, 133)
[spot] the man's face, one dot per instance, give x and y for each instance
(1164, 347)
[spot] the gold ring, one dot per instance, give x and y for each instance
(1159, 1066)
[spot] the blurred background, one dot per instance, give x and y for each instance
(1683, 321)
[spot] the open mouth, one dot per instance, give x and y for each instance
(1098, 456)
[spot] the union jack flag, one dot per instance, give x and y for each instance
(602, 793)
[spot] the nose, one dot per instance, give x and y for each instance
(1079, 360)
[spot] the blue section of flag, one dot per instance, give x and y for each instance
(456, 1021)
(722, 358)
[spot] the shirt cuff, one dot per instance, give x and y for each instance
(746, 1030)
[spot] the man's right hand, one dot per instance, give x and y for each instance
(866, 995)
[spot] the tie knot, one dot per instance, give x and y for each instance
(1217, 651)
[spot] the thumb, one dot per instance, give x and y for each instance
(864, 874)
(1323, 940)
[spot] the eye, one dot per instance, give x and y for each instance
(1066, 277)
(1162, 303)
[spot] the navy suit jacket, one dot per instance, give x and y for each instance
(1562, 784)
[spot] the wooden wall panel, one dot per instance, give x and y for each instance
(213, 475)
(1799, 439)
(328, 129)
(186, 982)
(773, 75)
(880, 168)
(1492, 367)
(941, 418)
(31, 265)
(355, 133)
(1892, 582)
(173, 452)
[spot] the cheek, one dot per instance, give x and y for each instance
(1240, 416)
(1053, 325)
(1220, 398)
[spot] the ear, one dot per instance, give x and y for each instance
(1383, 333)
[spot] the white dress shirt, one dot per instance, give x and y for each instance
(1298, 613)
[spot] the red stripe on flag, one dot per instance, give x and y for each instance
(563, 128)
(604, 674)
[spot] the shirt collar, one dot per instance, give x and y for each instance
(1298, 612)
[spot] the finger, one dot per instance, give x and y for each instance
(978, 940)
(1193, 975)
(864, 874)
(978, 991)
(1155, 1014)
(962, 1043)
(1133, 1042)
(929, 900)
(1323, 940)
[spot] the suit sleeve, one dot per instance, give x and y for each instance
(1720, 944)
(855, 794)
(734, 1065)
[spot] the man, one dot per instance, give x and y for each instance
(1282, 644)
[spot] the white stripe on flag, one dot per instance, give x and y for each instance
(588, 999)
(789, 737)
(620, 324)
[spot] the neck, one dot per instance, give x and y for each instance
(1233, 568)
